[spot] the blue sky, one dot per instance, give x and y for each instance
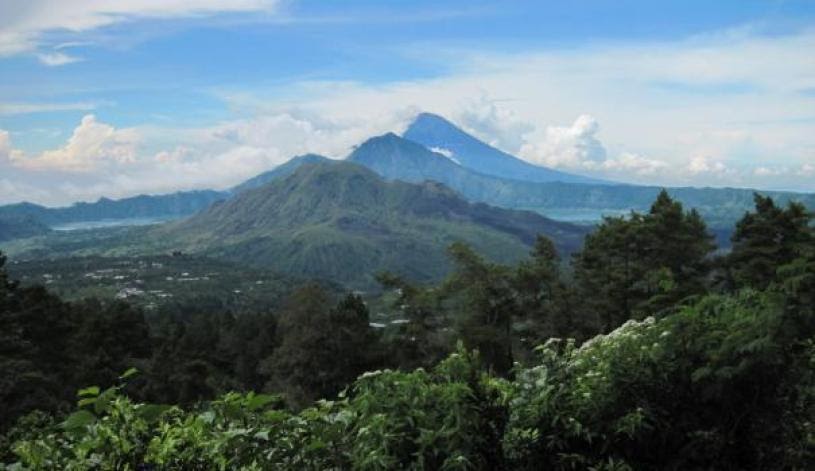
(118, 98)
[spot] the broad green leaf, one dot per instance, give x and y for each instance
(151, 412)
(86, 401)
(89, 391)
(256, 402)
(78, 419)
(102, 403)
(129, 373)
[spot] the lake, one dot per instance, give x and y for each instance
(102, 223)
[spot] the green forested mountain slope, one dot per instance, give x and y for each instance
(343, 222)
(13, 227)
(281, 171)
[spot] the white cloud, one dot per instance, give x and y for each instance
(7, 153)
(179, 154)
(769, 172)
(91, 146)
(101, 160)
(658, 122)
(577, 148)
(630, 162)
(496, 125)
(703, 164)
(54, 59)
(569, 147)
(23, 23)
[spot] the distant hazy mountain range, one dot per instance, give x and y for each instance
(179, 204)
(340, 221)
(398, 158)
(467, 165)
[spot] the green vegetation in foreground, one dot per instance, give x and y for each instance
(725, 383)
(685, 361)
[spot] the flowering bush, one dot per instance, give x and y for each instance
(723, 383)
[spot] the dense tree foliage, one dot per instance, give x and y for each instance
(322, 348)
(766, 239)
(643, 263)
(643, 360)
(48, 348)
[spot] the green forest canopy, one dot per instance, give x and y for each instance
(652, 353)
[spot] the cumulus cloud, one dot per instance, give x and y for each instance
(99, 159)
(496, 125)
(92, 144)
(299, 131)
(569, 147)
(704, 164)
(638, 164)
(24, 23)
(526, 103)
(578, 148)
(7, 153)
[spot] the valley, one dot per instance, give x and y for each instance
(159, 282)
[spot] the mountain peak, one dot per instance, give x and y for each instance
(436, 132)
(282, 170)
(393, 148)
(391, 155)
(432, 120)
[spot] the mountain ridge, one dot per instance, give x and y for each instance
(402, 159)
(399, 158)
(178, 204)
(282, 170)
(341, 221)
